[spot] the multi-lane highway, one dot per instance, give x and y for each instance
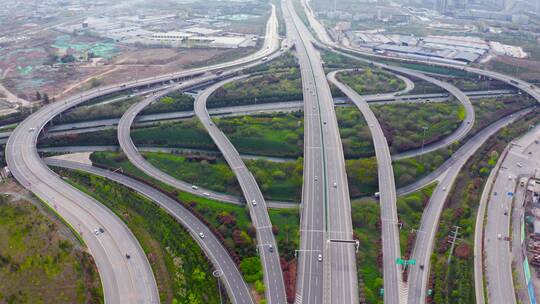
(425, 237)
(389, 221)
(236, 287)
(521, 160)
(266, 244)
(327, 262)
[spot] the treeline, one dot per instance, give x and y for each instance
(454, 283)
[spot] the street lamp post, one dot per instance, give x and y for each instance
(217, 274)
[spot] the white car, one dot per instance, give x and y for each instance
(32, 129)
(206, 194)
(319, 257)
(519, 164)
(443, 188)
(201, 235)
(254, 202)
(194, 187)
(499, 236)
(335, 185)
(316, 178)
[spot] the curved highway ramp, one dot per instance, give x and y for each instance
(267, 246)
(236, 287)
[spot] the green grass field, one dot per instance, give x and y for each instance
(368, 81)
(278, 180)
(41, 261)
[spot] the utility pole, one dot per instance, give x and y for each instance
(423, 140)
(455, 238)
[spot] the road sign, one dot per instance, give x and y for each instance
(400, 261)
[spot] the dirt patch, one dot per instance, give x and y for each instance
(81, 157)
(33, 65)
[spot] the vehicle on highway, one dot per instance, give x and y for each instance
(270, 248)
(98, 231)
(194, 187)
(443, 188)
(128, 256)
(32, 129)
(254, 202)
(377, 194)
(499, 236)
(264, 59)
(316, 178)
(335, 185)
(201, 235)
(206, 194)
(519, 164)
(319, 257)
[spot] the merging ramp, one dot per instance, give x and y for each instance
(266, 244)
(389, 221)
(237, 289)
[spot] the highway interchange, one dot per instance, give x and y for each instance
(327, 262)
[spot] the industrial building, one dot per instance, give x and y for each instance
(458, 49)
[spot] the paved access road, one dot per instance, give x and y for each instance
(124, 280)
(393, 281)
(498, 258)
(326, 217)
(266, 244)
(236, 287)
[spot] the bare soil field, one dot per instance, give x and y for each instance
(32, 66)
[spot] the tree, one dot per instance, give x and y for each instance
(67, 59)
(46, 98)
(38, 95)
